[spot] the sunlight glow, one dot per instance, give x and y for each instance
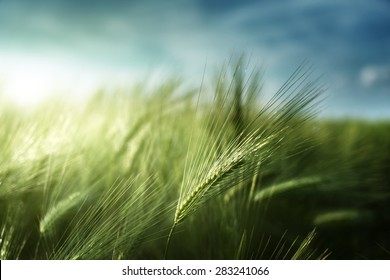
(29, 88)
(28, 81)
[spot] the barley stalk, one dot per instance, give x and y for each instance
(224, 174)
(59, 210)
(343, 217)
(241, 159)
(288, 186)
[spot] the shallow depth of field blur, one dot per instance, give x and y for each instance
(194, 130)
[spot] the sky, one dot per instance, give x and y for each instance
(75, 46)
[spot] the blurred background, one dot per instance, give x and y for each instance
(74, 47)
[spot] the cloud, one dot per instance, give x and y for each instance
(373, 75)
(342, 39)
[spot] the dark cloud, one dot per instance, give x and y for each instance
(341, 38)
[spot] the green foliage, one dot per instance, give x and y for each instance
(165, 172)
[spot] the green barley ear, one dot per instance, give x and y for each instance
(59, 210)
(237, 164)
(287, 187)
(239, 160)
(346, 217)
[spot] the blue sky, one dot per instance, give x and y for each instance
(78, 45)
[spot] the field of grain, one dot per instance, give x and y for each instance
(210, 173)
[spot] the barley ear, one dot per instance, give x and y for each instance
(59, 210)
(286, 187)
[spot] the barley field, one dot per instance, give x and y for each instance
(215, 172)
